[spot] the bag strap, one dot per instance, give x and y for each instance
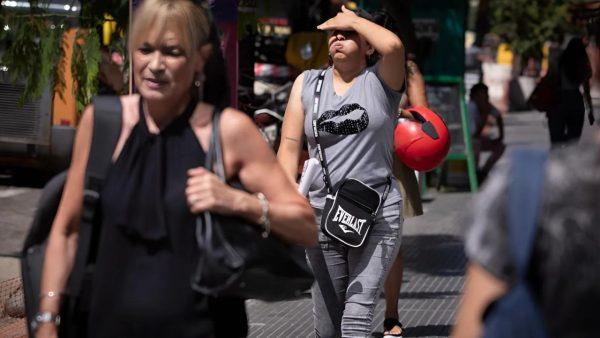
(524, 200)
(320, 151)
(207, 234)
(315, 116)
(105, 134)
(214, 156)
(388, 187)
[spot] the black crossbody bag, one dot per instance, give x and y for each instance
(350, 211)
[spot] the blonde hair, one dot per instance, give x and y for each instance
(191, 21)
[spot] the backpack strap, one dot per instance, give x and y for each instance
(524, 200)
(107, 128)
(106, 131)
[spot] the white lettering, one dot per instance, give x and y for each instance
(347, 220)
(338, 214)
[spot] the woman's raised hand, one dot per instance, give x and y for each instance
(343, 21)
(206, 192)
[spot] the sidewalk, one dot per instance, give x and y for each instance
(432, 244)
(434, 261)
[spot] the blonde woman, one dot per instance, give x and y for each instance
(147, 250)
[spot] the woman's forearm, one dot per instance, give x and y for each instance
(417, 95)
(481, 288)
(293, 222)
(383, 40)
(288, 157)
(58, 262)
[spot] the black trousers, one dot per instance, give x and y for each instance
(565, 121)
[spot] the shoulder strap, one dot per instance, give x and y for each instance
(205, 229)
(107, 128)
(315, 116)
(214, 156)
(524, 200)
(106, 131)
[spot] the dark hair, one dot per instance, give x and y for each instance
(478, 88)
(216, 84)
(383, 19)
(566, 257)
(574, 62)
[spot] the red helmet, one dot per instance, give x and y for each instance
(424, 143)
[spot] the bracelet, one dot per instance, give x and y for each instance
(44, 317)
(264, 218)
(50, 294)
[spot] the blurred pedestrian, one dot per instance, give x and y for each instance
(412, 206)
(411, 198)
(356, 117)
(484, 116)
(564, 266)
(147, 250)
(566, 118)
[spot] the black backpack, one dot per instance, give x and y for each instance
(517, 313)
(106, 131)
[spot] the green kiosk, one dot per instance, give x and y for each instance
(440, 29)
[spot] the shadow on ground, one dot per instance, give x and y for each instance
(422, 331)
(439, 255)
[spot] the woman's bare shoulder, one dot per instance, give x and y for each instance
(236, 124)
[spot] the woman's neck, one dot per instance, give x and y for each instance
(346, 72)
(162, 112)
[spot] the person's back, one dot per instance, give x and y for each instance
(566, 257)
(565, 266)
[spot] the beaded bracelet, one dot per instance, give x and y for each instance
(264, 218)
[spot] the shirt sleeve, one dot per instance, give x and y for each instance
(392, 96)
(392, 91)
(486, 236)
(305, 96)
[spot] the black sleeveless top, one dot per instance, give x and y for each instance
(147, 250)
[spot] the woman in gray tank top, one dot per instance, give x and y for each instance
(356, 119)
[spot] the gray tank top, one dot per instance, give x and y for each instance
(356, 131)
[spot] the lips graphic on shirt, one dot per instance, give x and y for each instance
(348, 120)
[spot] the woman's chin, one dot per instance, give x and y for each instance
(153, 94)
(339, 57)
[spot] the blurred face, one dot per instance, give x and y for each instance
(162, 67)
(348, 45)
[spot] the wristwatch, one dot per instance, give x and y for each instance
(44, 317)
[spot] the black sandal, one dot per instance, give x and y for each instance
(389, 324)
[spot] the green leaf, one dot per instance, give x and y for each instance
(36, 54)
(85, 66)
(527, 24)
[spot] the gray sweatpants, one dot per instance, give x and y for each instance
(348, 281)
